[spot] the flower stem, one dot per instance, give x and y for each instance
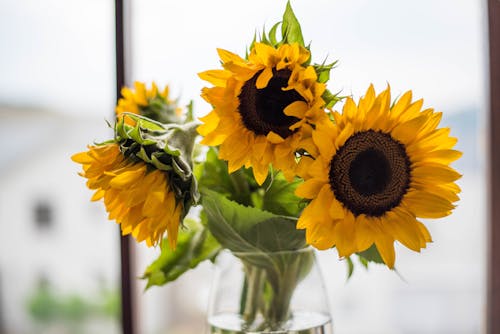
(254, 283)
(269, 287)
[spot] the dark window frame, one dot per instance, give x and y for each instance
(122, 24)
(493, 267)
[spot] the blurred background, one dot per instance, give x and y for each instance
(59, 256)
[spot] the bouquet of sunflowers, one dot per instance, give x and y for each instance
(278, 168)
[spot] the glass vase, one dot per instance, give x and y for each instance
(268, 292)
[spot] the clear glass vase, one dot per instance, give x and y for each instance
(261, 292)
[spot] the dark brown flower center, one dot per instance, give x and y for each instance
(370, 173)
(262, 109)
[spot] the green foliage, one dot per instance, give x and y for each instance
(248, 229)
(262, 240)
(194, 245)
(240, 215)
(280, 197)
(276, 195)
(213, 174)
(45, 305)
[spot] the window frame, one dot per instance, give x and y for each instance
(493, 262)
(122, 59)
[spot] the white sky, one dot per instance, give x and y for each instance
(59, 54)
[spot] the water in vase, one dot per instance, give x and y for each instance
(300, 323)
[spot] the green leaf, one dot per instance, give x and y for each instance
(248, 229)
(276, 195)
(213, 175)
(276, 234)
(194, 246)
(228, 221)
(280, 197)
(290, 28)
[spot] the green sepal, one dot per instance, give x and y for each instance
(161, 110)
(241, 228)
(371, 255)
(254, 40)
(263, 38)
(363, 261)
(167, 147)
(291, 32)
(290, 27)
(330, 98)
(272, 34)
(350, 267)
(323, 71)
(365, 257)
(195, 244)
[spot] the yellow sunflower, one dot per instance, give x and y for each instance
(262, 107)
(137, 197)
(151, 103)
(374, 173)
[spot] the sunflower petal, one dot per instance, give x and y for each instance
(216, 77)
(385, 247)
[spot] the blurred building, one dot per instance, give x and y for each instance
(52, 237)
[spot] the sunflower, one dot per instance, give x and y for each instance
(374, 171)
(262, 107)
(136, 196)
(148, 102)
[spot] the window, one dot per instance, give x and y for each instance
(43, 214)
(58, 82)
